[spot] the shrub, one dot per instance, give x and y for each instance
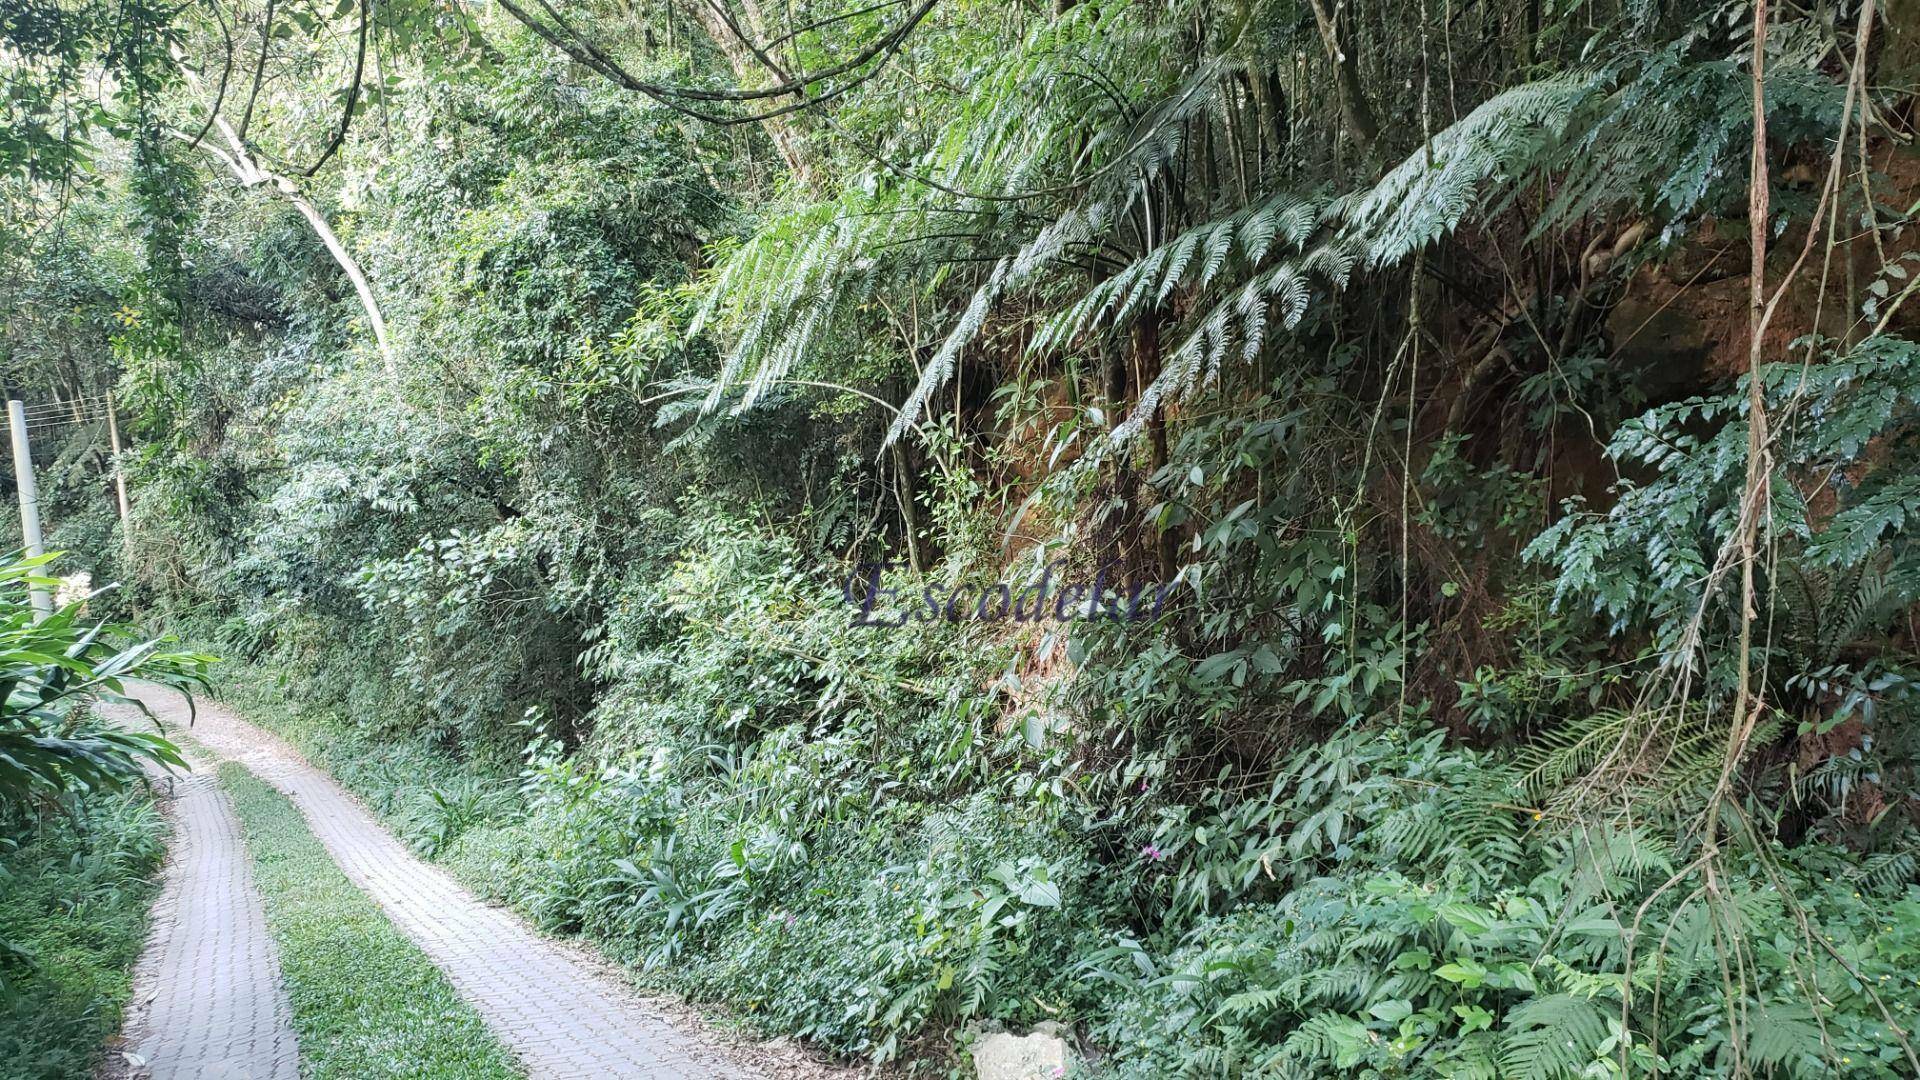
(74, 891)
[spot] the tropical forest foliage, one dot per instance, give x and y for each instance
(1519, 398)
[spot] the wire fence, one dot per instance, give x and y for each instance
(71, 413)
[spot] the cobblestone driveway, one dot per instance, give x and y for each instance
(207, 1000)
(560, 1015)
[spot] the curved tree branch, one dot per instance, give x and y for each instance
(564, 37)
(259, 69)
(226, 72)
(251, 174)
(830, 20)
(353, 92)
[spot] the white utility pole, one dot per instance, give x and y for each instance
(29, 501)
(119, 472)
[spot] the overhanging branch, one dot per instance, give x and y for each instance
(561, 35)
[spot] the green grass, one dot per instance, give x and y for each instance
(367, 1003)
(397, 778)
(74, 894)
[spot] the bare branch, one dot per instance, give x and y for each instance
(564, 37)
(259, 69)
(353, 92)
(251, 174)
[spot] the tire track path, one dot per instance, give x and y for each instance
(207, 1000)
(562, 1017)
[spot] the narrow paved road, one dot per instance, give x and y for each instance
(207, 1000)
(561, 1016)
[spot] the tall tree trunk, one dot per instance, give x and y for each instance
(751, 64)
(904, 494)
(251, 173)
(1146, 351)
(1335, 35)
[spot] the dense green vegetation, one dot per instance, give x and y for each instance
(77, 855)
(74, 891)
(366, 1001)
(528, 388)
(54, 665)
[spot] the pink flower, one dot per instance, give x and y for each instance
(1058, 1072)
(1153, 853)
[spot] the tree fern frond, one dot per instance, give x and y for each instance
(1426, 196)
(1785, 1036)
(1551, 1038)
(940, 368)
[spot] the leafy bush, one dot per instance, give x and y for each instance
(1375, 973)
(50, 668)
(366, 1001)
(440, 816)
(74, 891)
